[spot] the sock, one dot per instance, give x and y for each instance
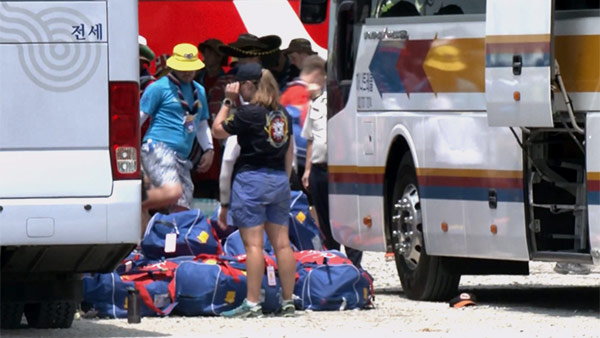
(251, 304)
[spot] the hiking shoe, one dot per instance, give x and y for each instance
(571, 268)
(244, 311)
(287, 309)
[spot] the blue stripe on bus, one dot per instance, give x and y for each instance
(470, 194)
(594, 197)
(361, 189)
(506, 60)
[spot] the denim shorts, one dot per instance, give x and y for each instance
(258, 196)
(163, 165)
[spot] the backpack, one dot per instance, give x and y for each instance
(327, 280)
(192, 234)
(304, 232)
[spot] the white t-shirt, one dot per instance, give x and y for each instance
(315, 128)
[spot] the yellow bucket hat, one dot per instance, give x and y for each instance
(185, 58)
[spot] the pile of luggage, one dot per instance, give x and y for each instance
(185, 269)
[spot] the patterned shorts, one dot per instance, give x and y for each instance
(163, 165)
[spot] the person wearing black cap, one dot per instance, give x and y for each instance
(260, 198)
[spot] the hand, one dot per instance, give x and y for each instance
(305, 176)
(205, 161)
(232, 91)
(222, 219)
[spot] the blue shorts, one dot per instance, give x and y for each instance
(258, 196)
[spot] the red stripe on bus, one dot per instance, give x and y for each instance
(356, 178)
(479, 182)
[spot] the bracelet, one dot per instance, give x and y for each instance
(224, 205)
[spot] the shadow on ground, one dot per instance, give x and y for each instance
(83, 328)
(562, 300)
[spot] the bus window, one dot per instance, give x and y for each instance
(313, 11)
(568, 5)
(341, 60)
(401, 8)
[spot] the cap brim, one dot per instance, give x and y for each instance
(184, 66)
(463, 303)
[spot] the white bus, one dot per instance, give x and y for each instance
(70, 187)
(465, 134)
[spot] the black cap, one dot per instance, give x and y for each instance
(464, 299)
(249, 72)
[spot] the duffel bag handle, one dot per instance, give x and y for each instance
(173, 225)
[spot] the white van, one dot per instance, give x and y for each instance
(70, 187)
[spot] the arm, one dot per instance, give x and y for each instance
(206, 143)
(307, 165)
(143, 117)
(289, 156)
(231, 92)
(230, 155)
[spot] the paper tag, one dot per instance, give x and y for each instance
(170, 242)
(271, 281)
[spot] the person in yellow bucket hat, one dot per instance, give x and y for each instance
(179, 113)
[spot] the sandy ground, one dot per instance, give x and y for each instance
(543, 304)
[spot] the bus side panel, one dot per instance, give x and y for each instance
(593, 181)
(464, 164)
(343, 199)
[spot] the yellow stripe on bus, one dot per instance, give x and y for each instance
(517, 38)
(579, 60)
(469, 173)
(593, 176)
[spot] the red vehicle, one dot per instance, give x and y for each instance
(165, 23)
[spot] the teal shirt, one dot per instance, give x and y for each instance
(161, 102)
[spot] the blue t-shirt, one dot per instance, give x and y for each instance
(161, 102)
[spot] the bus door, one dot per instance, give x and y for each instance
(519, 63)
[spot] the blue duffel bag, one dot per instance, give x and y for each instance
(193, 234)
(235, 246)
(304, 232)
(328, 281)
(211, 285)
(107, 292)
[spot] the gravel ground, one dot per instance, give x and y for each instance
(543, 304)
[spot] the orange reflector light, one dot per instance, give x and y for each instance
(494, 229)
(367, 221)
(444, 227)
(517, 96)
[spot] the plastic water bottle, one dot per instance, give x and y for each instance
(133, 306)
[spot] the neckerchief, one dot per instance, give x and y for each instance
(184, 104)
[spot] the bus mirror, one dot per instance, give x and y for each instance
(313, 11)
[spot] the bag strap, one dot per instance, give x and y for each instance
(149, 302)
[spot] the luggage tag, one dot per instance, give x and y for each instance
(170, 242)
(188, 123)
(271, 281)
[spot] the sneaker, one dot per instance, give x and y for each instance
(244, 311)
(572, 268)
(287, 309)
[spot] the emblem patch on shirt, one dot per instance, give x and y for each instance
(277, 128)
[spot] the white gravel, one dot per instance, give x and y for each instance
(543, 304)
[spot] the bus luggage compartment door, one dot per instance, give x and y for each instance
(519, 59)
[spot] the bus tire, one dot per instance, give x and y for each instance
(423, 277)
(11, 314)
(50, 315)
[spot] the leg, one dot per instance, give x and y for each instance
(255, 263)
(319, 190)
(163, 196)
(279, 237)
(162, 169)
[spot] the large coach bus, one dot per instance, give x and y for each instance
(70, 184)
(466, 134)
